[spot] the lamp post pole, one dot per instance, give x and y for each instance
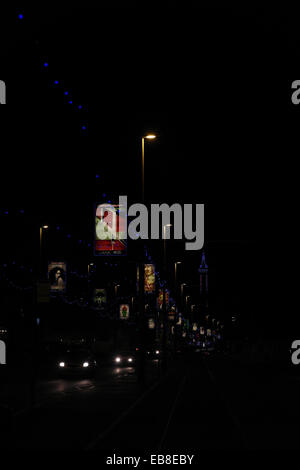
(41, 270)
(182, 301)
(142, 326)
(165, 323)
(175, 282)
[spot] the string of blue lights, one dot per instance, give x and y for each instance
(59, 85)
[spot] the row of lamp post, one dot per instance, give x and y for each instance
(148, 137)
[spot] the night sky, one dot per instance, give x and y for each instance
(211, 83)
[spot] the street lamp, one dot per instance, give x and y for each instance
(89, 267)
(183, 285)
(175, 280)
(42, 229)
(165, 245)
(148, 137)
(141, 362)
(187, 303)
(164, 362)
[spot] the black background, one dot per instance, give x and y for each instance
(212, 82)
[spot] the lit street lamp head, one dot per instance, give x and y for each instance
(150, 137)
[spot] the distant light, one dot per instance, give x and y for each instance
(46, 64)
(130, 360)
(62, 364)
(150, 137)
(80, 107)
(118, 359)
(56, 82)
(45, 227)
(83, 128)
(97, 177)
(66, 93)
(86, 364)
(70, 102)
(21, 16)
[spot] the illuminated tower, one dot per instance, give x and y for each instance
(203, 270)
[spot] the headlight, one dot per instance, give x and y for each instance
(157, 352)
(130, 359)
(62, 364)
(118, 359)
(86, 364)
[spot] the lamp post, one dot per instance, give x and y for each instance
(141, 363)
(175, 279)
(183, 285)
(116, 289)
(34, 339)
(165, 246)
(187, 297)
(42, 230)
(146, 137)
(164, 345)
(89, 268)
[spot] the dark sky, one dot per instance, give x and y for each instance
(212, 83)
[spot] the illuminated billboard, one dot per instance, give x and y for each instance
(124, 312)
(57, 275)
(110, 230)
(99, 298)
(149, 278)
(160, 299)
